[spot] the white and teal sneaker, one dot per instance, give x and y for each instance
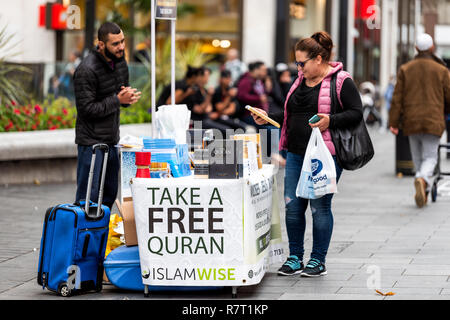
(292, 266)
(314, 268)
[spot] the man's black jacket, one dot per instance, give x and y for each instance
(96, 86)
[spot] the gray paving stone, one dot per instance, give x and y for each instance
(393, 255)
(309, 296)
(365, 280)
(399, 293)
(389, 271)
(428, 270)
(375, 224)
(337, 267)
(325, 289)
(423, 297)
(428, 259)
(445, 292)
(280, 281)
(423, 281)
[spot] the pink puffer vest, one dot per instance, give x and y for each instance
(324, 103)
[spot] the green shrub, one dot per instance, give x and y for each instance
(140, 112)
(50, 115)
(59, 113)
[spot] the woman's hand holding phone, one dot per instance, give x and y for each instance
(258, 119)
(323, 123)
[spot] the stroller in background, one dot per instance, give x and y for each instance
(443, 188)
(370, 101)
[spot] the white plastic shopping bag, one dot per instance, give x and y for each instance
(172, 121)
(318, 175)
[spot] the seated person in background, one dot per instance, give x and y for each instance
(225, 104)
(281, 84)
(284, 78)
(185, 89)
(251, 90)
(270, 87)
(234, 65)
(201, 107)
(142, 51)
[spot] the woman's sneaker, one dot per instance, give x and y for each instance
(314, 268)
(292, 266)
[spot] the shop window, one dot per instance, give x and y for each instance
(367, 42)
(213, 23)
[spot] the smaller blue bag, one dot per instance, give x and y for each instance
(123, 269)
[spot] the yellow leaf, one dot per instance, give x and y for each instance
(385, 294)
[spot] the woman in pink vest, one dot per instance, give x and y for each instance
(310, 95)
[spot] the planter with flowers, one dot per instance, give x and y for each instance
(58, 113)
(49, 115)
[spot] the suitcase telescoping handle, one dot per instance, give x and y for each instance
(105, 148)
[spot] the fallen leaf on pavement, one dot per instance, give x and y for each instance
(385, 294)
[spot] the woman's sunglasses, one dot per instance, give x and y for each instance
(301, 63)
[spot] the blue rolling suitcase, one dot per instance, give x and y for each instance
(74, 240)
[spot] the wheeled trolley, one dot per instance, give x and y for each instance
(439, 173)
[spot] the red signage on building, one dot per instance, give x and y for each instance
(53, 16)
(364, 9)
(42, 15)
(59, 17)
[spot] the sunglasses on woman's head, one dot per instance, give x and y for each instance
(301, 63)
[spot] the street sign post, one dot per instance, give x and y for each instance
(166, 9)
(163, 10)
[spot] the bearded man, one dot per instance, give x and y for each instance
(101, 84)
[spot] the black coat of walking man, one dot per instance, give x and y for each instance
(101, 85)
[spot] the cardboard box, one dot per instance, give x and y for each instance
(126, 210)
(105, 277)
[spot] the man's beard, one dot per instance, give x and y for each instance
(112, 56)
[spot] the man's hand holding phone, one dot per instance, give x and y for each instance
(128, 95)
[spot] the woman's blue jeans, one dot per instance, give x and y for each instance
(322, 216)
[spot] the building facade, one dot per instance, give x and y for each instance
(372, 37)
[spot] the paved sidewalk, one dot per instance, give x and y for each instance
(378, 234)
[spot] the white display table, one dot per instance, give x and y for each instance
(200, 232)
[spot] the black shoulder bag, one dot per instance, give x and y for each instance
(353, 145)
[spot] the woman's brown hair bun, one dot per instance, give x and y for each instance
(320, 43)
(324, 39)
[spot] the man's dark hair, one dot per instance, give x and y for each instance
(107, 28)
(203, 69)
(255, 65)
(225, 74)
(191, 72)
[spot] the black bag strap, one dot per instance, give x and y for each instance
(333, 94)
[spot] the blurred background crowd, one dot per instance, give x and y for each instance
(229, 53)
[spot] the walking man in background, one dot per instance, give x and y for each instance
(421, 95)
(101, 87)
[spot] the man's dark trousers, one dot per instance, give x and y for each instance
(111, 179)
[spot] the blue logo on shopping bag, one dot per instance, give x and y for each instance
(316, 166)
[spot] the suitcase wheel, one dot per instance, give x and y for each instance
(64, 290)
